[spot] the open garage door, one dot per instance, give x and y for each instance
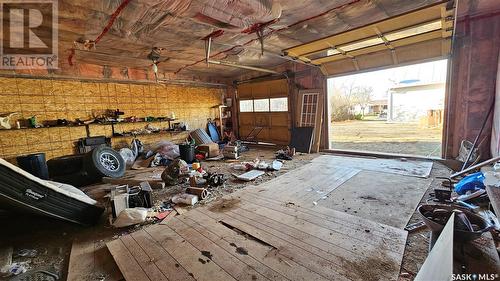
(421, 35)
(263, 109)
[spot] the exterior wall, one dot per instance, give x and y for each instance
(412, 105)
(472, 81)
(49, 99)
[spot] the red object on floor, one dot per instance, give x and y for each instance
(162, 215)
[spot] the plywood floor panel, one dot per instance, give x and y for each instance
(413, 168)
(268, 232)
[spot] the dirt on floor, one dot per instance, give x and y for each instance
(383, 136)
(52, 239)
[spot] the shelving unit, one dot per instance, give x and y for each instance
(112, 124)
(224, 119)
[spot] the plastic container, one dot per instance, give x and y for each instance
(34, 164)
(187, 152)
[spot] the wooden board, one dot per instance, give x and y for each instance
(414, 168)
(135, 177)
(307, 184)
(438, 265)
(247, 237)
(91, 260)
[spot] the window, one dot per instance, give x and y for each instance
(264, 105)
(278, 104)
(261, 105)
(246, 105)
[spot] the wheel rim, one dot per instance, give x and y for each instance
(109, 161)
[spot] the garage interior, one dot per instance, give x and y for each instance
(189, 140)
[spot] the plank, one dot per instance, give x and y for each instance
(438, 265)
(145, 261)
(236, 268)
(294, 226)
(89, 260)
(266, 253)
(414, 168)
(316, 264)
(127, 263)
(186, 254)
(248, 259)
(135, 177)
(161, 258)
(307, 184)
(331, 219)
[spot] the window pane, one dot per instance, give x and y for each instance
(279, 104)
(246, 105)
(261, 105)
(412, 31)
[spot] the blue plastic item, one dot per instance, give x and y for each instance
(471, 183)
(214, 133)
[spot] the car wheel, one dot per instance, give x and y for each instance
(65, 165)
(105, 162)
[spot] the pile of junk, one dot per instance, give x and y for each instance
(464, 195)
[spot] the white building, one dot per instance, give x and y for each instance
(414, 102)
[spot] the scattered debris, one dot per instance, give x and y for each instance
(249, 176)
(415, 226)
(184, 198)
(26, 253)
(131, 216)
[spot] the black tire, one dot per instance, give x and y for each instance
(65, 165)
(78, 179)
(103, 161)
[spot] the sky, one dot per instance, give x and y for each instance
(382, 80)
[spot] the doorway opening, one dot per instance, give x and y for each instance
(397, 111)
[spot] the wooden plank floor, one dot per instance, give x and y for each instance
(254, 234)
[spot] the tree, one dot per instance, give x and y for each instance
(346, 97)
(362, 95)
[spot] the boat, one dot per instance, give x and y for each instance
(22, 191)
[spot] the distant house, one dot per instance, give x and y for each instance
(374, 107)
(417, 102)
(377, 106)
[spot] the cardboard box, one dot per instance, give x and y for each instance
(211, 148)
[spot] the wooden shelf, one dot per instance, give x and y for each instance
(145, 134)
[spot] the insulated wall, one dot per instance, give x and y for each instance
(472, 81)
(70, 99)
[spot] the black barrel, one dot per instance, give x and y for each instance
(34, 164)
(187, 152)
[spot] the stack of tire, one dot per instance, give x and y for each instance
(89, 168)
